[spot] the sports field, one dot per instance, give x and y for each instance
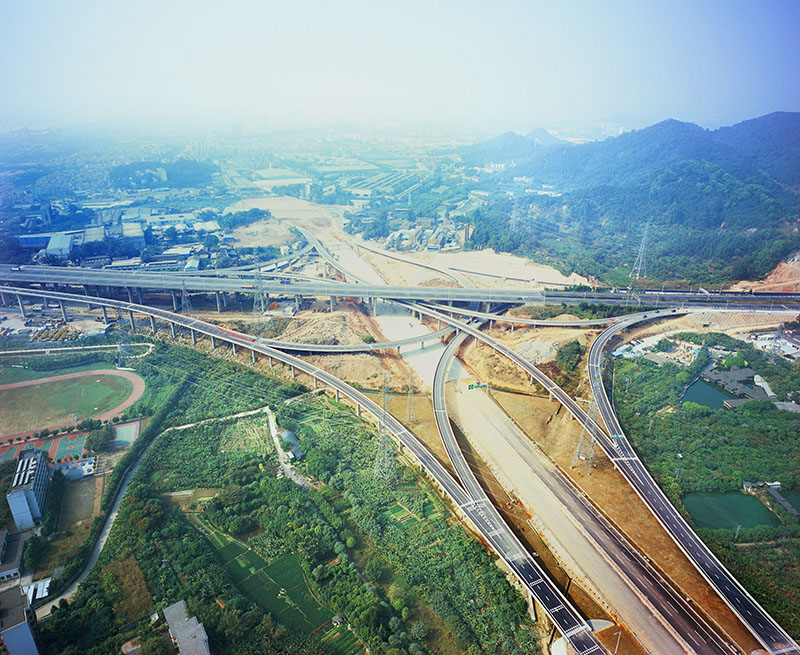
(27, 406)
(56, 448)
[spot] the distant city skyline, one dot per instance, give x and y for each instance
(471, 65)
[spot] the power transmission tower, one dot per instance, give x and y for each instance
(585, 449)
(410, 403)
(186, 304)
(125, 351)
(384, 470)
(260, 303)
(640, 265)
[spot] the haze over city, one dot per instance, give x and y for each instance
(494, 66)
(400, 328)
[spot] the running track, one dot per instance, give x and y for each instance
(138, 390)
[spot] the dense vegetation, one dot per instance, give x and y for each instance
(359, 561)
(691, 448)
(716, 205)
(181, 173)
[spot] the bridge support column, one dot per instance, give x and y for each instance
(270, 361)
(438, 324)
(315, 381)
(253, 353)
(133, 322)
(194, 337)
(139, 295)
(512, 327)
(153, 324)
(172, 328)
(219, 302)
(2, 298)
(297, 303)
(333, 302)
(294, 372)
(174, 300)
(130, 295)
(488, 308)
(336, 391)
(22, 307)
(491, 324)
(213, 343)
(105, 314)
(235, 351)
(224, 299)
(63, 310)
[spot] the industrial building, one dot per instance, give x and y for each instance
(28, 490)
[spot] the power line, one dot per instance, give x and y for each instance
(640, 265)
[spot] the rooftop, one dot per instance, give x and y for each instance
(29, 461)
(12, 608)
(13, 554)
(175, 614)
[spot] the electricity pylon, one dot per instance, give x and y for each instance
(384, 470)
(640, 265)
(585, 449)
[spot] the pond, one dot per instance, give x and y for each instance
(728, 509)
(708, 395)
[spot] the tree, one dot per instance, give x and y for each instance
(419, 631)
(98, 440)
(35, 548)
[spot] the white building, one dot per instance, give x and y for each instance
(28, 489)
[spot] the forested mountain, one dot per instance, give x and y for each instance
(508, 147)
(772, 141)
(721, 204)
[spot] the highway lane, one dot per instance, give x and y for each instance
(480, 513)
(643, 598)
(621, 452)
(167, 281)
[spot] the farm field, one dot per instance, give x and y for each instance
(27, 406)
(278, 587)
(342, 642)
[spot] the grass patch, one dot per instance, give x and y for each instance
(124, 585)
(57, 403)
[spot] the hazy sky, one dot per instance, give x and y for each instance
(494, 64)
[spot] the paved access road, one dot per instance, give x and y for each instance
(621, 452)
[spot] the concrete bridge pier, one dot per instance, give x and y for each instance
(358, 410)
(194, 337)
(224, 299)
(491, 323)
(270, 361)
(336, 391)
(139, 295)
(130, 295)
(174, 296)
(333, 302)
(294, 372)
(219, 301)
(213, 343)
(172, 328)
(2, 298)
(153, 324)
(133, 322)
(235, 351)
(297, 303)
(105, 314)
(63, 310)
(21, 307)
(315, 381)
(512, 327)
(253, 353)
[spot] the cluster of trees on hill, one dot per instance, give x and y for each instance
(719, 204)
(156, 174)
